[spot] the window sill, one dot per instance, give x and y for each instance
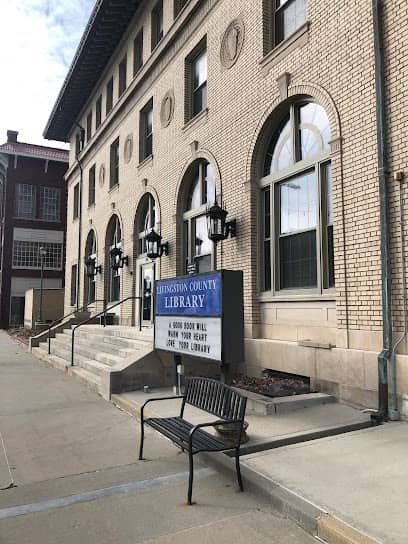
(298, 297)
(147, 160)
(197, 120)
(297, 39)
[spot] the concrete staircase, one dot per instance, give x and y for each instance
(110, 359)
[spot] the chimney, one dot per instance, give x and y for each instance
(12, 136)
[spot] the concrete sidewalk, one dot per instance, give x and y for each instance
(349, 488)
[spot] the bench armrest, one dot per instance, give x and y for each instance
(211, 424)
(157, 399)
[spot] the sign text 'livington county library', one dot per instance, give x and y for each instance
(192, 315)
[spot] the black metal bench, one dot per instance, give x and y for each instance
(210, 396)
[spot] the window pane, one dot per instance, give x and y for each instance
(209, 184)
(267, 265)
(200, 69)
(298, 264)
(326, 176)
(194, 200)
(289, 17)
(50, 203)
(279, 155)
(25, 201)
(298, 204)
(267, 213)
(314, 114)
(202, 243)
(309, 144)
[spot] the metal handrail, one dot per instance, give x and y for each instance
(59, 320)
(75, 327)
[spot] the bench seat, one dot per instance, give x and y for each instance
(178, 430)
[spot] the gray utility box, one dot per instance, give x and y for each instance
(201, 316)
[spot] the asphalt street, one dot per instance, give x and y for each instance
(69, 473)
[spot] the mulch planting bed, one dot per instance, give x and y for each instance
(274, 384)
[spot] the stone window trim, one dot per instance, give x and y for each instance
(196, 53)
(296, 40)
(196, 121)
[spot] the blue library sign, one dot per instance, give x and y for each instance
(193, 295)
(201, 316)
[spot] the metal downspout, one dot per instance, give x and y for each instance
(384, 358)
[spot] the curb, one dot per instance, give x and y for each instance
(313, 519)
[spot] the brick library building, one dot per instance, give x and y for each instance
(292, 117)
(32, 223)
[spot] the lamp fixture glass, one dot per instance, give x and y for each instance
(154, 246)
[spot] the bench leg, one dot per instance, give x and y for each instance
(141, 439)
(190, 479)
(237, 465)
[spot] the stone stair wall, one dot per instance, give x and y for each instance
(108, 359)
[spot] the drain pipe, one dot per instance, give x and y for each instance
(385, 356)
(81, 176)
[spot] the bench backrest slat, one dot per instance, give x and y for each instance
(216, 398)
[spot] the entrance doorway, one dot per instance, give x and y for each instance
(147, 276)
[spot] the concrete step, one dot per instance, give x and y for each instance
(268, 406)
(89, 379)
(119, 331)
(83, 354)
(92, 346)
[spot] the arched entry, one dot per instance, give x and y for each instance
(90, 281)
(145, 270)
(112, 275)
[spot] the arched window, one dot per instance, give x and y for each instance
(198, 248)
(90, 281)
(113, 238)
(146, 220)
(296, 196)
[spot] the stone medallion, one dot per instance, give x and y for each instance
(167, 109)
(232, 42)
(101, 175)
(128, 151)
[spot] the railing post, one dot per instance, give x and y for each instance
(49, 340)
(104, 312)
(140, 313)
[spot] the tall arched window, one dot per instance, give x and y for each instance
(90, 281)
(198, 248)
(296, 197)
(113, 238)
(146, 220)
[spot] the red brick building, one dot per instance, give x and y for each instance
(32, 215)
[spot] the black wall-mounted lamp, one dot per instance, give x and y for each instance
(218, 226)
(116, 259)
(91, 268)
(154, 246)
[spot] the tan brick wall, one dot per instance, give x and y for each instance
(333, 63)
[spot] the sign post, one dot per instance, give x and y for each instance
(201, 316)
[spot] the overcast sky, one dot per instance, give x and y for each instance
(38, 39)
